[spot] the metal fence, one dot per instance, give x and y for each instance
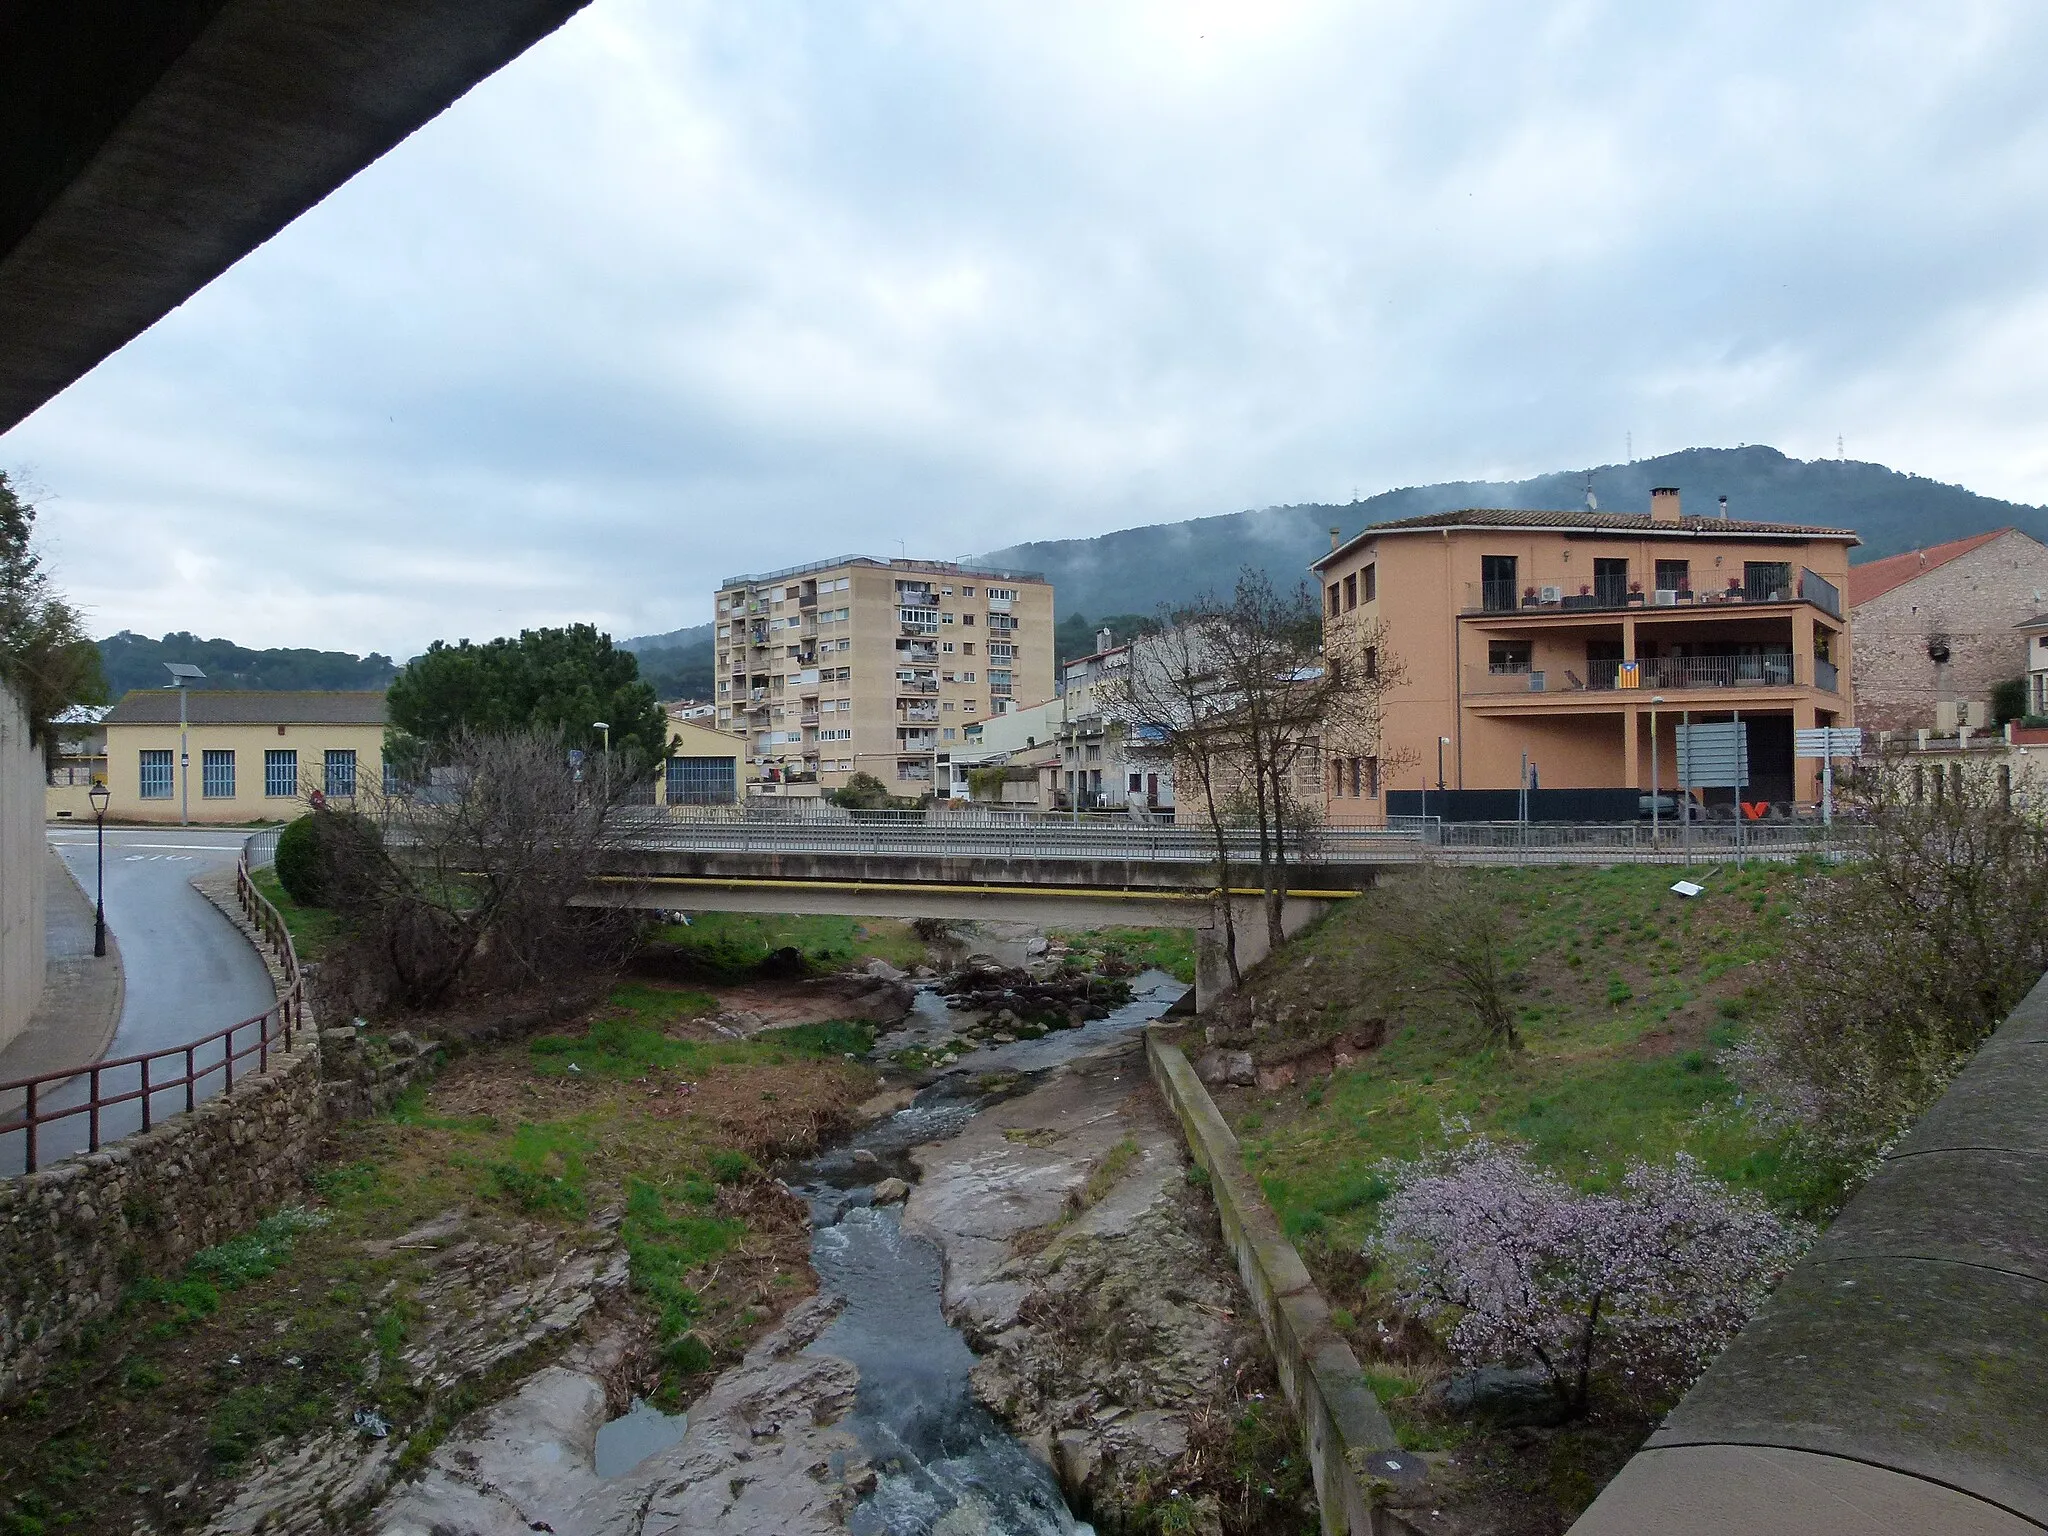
(79, 1109)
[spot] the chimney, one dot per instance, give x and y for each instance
(1724, 509)
(1336, 538)
(1664, 504)
(1104, 640)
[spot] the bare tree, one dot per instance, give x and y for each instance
(467, 880)
(1245, 697)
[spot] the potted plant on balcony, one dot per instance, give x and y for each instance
(1734, 590)
(1635, 592)
(1583, 600)
(1529, 597)
(1684, 592)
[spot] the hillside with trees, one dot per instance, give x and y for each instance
(136, 661)
(1136, 569)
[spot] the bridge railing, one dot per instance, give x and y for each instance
(1037, 840)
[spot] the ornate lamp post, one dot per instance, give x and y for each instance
(99, 795)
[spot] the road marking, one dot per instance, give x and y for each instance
(205, 847)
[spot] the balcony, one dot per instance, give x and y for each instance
(918, 714)
(918, 685)
(1607, 593)
(917, 741)
(1655, 674)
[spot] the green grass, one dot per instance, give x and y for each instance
(629, 1038)
(314, 930)
(729, 946)
(1171, 950)
(1619, 1060)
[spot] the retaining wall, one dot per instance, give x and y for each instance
(1363, 1480)
(73, 1236)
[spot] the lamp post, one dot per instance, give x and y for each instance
(1656, 779)
(99, 795)
(183, 675)
(606, 727)
(1441, 743)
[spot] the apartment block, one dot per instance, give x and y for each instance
(1575, 642)
(861, 665)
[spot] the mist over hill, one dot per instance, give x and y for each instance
(1136, 569)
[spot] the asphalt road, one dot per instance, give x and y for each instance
(189, 972)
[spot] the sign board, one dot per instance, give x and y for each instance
(1828, 741)
(1714, 756)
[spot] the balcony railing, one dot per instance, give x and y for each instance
(918, 714)
(921, 685)
(1611, 594)
(1655, 674)
(1820, 592)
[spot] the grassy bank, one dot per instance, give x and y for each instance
(314, 930)
(729, 946)
(634, 1128)
(1624, 995)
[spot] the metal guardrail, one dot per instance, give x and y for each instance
(1404, 840)
(121, 1080)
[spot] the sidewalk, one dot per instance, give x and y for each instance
(82, 996)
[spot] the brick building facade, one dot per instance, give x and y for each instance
(1937, 628)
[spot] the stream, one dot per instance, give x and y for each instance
(947, 1467)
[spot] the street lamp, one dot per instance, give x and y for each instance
(99, 795)
(183, 676)
(606, 727)
(1441, 743)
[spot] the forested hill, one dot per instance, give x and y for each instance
(136, 661)
(1137, 569)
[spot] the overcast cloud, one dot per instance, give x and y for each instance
(694, 289)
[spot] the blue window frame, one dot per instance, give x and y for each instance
(341, 772)
(217, 774)
(281, 773)
(156, 775)
(701, 781)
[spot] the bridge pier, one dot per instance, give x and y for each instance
(1212, 965)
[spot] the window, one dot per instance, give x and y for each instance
(947, 647)
(967, 619)
(281, 774)
(1334, 589)
(217, 774)
(967, 648)
(967, 591)
(1001, 594)
(1610, 583)
(1497, 582)
(1372, 661)
(1674, 575)
(1137, 783)
(947, 733)
(1372, 778)
(947, 618)
(1369, 583)
(1350, 592)
(1002, 622)
(701, 781)
(966, 677)
(1507, 656)
(156, 775)
(341, 772)
(838, 733)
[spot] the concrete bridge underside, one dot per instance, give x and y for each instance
(1046, 905)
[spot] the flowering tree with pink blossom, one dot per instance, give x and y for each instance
(1642, 1287)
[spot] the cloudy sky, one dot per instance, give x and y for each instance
(695, 289)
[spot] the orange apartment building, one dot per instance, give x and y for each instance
(1561, 634)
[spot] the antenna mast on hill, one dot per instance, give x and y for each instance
(1838, 445)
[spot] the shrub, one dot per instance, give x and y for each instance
(1897, 967)
(1640, 1289)
(326, 859)
(2008, 700)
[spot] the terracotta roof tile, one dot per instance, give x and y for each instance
(1882, 576)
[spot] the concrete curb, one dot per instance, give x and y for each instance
(50, 1042)
(1361, 1475)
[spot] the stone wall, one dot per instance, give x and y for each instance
(22, 869)
(362, 1074)
(74, 1235)
(1973, 601)
(1363, 1480)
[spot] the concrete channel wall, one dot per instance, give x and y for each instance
(1363, 1479)
(23, 866)
(1897, 1381)
(75, 1235)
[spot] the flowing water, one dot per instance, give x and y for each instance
(947, 1467)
